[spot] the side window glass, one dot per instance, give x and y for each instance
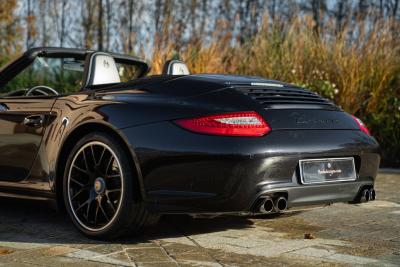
(64, 75)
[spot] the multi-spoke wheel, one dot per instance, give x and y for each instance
(95, 185)
(99, 188)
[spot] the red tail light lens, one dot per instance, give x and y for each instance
(362, 126)
(248, 123)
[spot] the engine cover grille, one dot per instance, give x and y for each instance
(286, 97)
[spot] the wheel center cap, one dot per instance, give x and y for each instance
(99, 185)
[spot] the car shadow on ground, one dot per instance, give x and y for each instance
(35, 222)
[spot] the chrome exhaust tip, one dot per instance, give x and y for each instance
(267, 205)
(366, 195)
(372, 194)
(280, 204)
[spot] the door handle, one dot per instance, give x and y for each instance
(34, 121)
(3, 107)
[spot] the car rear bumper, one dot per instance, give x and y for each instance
(183, 172)
(297, 196)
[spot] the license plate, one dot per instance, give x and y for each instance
(313, 171)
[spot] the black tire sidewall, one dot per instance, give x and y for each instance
(123, 214)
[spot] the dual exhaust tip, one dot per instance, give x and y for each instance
(269, 205)
(279, 204)
(368, 195)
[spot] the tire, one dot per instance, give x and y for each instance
(99, 189)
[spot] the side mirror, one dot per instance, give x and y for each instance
(175, 67)
(101, 69)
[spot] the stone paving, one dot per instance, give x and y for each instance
(367, 234)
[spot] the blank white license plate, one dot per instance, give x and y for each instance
(328, 170)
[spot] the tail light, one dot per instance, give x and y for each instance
(362, 126)
(248, 123)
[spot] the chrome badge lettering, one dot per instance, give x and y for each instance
(316, 121)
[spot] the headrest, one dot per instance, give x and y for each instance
(102, 69)
(175, 67)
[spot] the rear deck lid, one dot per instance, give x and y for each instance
(282, 119)
(287, 106)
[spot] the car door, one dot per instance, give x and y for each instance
(22, 125)
(26, 101)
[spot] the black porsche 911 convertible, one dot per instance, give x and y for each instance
(91, 132)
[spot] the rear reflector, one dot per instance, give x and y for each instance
(361, 124)
(247, 123)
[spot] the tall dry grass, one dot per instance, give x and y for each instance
(358, 67)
